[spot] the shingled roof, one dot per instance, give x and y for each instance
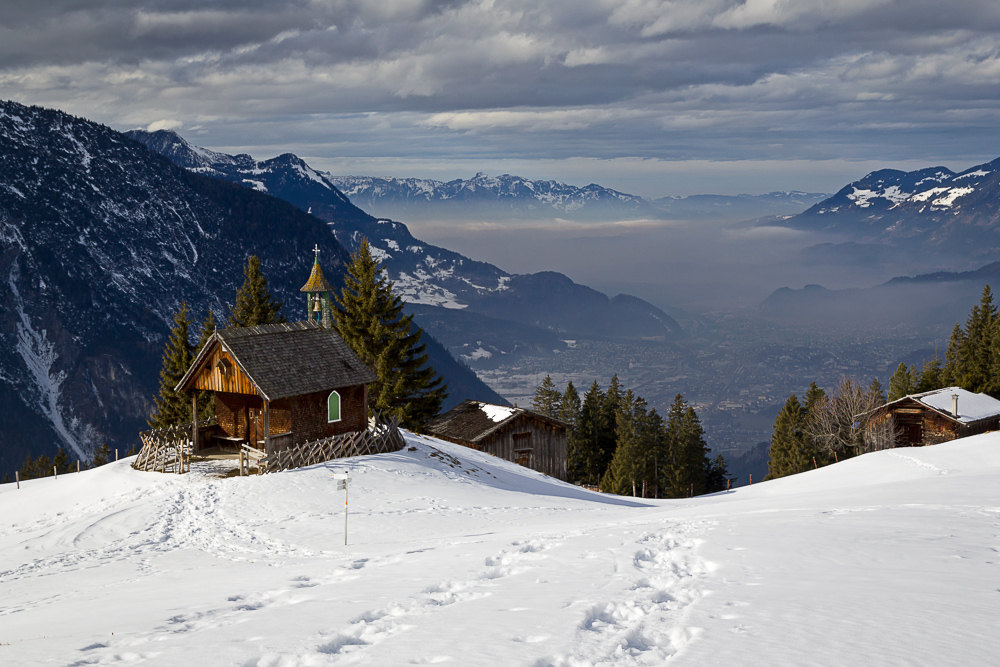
(471, 421)
(284, 360)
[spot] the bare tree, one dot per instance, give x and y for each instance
(849, 421)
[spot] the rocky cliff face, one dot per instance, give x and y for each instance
(100, 241)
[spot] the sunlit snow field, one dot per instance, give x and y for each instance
(456, 557)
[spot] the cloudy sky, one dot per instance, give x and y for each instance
(654, 97)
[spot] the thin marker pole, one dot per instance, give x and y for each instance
(346, 492)
(55, 472)
(17, 478)
(116, 453)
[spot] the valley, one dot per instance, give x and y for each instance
(736, 373)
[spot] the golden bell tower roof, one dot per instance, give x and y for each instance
(317, 281)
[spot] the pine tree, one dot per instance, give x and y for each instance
(370, 319)
(696, 450)
(254, 304)
(953, 357)
(688, 462)
(61, 462)
(583, 448)
(547, 399)
(788, 454)
(569, 404)
(718, 475)
(976, 345)
(932, 374)
(101, 456)
(876, 391)
(901, 383)
(623, 475)
(206, 399)
(173, 408)
(607, 439)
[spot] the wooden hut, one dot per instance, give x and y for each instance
(940, 415)
(529, 438)
(279, 385)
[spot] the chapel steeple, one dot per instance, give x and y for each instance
(318, 293)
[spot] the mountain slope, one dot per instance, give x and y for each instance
(935, 300)
(931, 209)
(425, 274)
(100, 241)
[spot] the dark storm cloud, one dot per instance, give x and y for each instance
(655, 79)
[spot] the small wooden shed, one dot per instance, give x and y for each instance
(940, 415)
(523, 436)
(279, 385)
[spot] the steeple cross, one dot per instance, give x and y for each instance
(316, 250)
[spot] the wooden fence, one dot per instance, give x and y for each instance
(167, 449)
(381, 436)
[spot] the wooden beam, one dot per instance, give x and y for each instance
(267, 426)
(194, 421)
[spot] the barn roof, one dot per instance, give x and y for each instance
(471, 421)
(972, 407)
(284, 360)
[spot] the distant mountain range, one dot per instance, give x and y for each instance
(433, 277)
(488, 197)
(100, 241)
(931, 210)
(936, 300)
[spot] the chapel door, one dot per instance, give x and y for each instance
(255, 425)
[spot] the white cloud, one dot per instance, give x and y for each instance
(164, 125)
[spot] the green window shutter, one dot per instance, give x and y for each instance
(333, 407)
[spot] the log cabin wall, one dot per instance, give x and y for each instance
(547, 445)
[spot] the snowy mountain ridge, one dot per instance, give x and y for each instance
(454, 556)
(489, 197)
(431, 276)
(930, 209)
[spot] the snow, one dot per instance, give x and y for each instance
(456, 557)
(971, 406)
(497, 413)
(927, 194)
(950, 198)
(972, 174)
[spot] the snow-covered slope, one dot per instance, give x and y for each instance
(456, 557)
(933, 208)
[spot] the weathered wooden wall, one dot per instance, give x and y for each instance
(241, 416)
(547, 445)
(308, 414)
(211, 378)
